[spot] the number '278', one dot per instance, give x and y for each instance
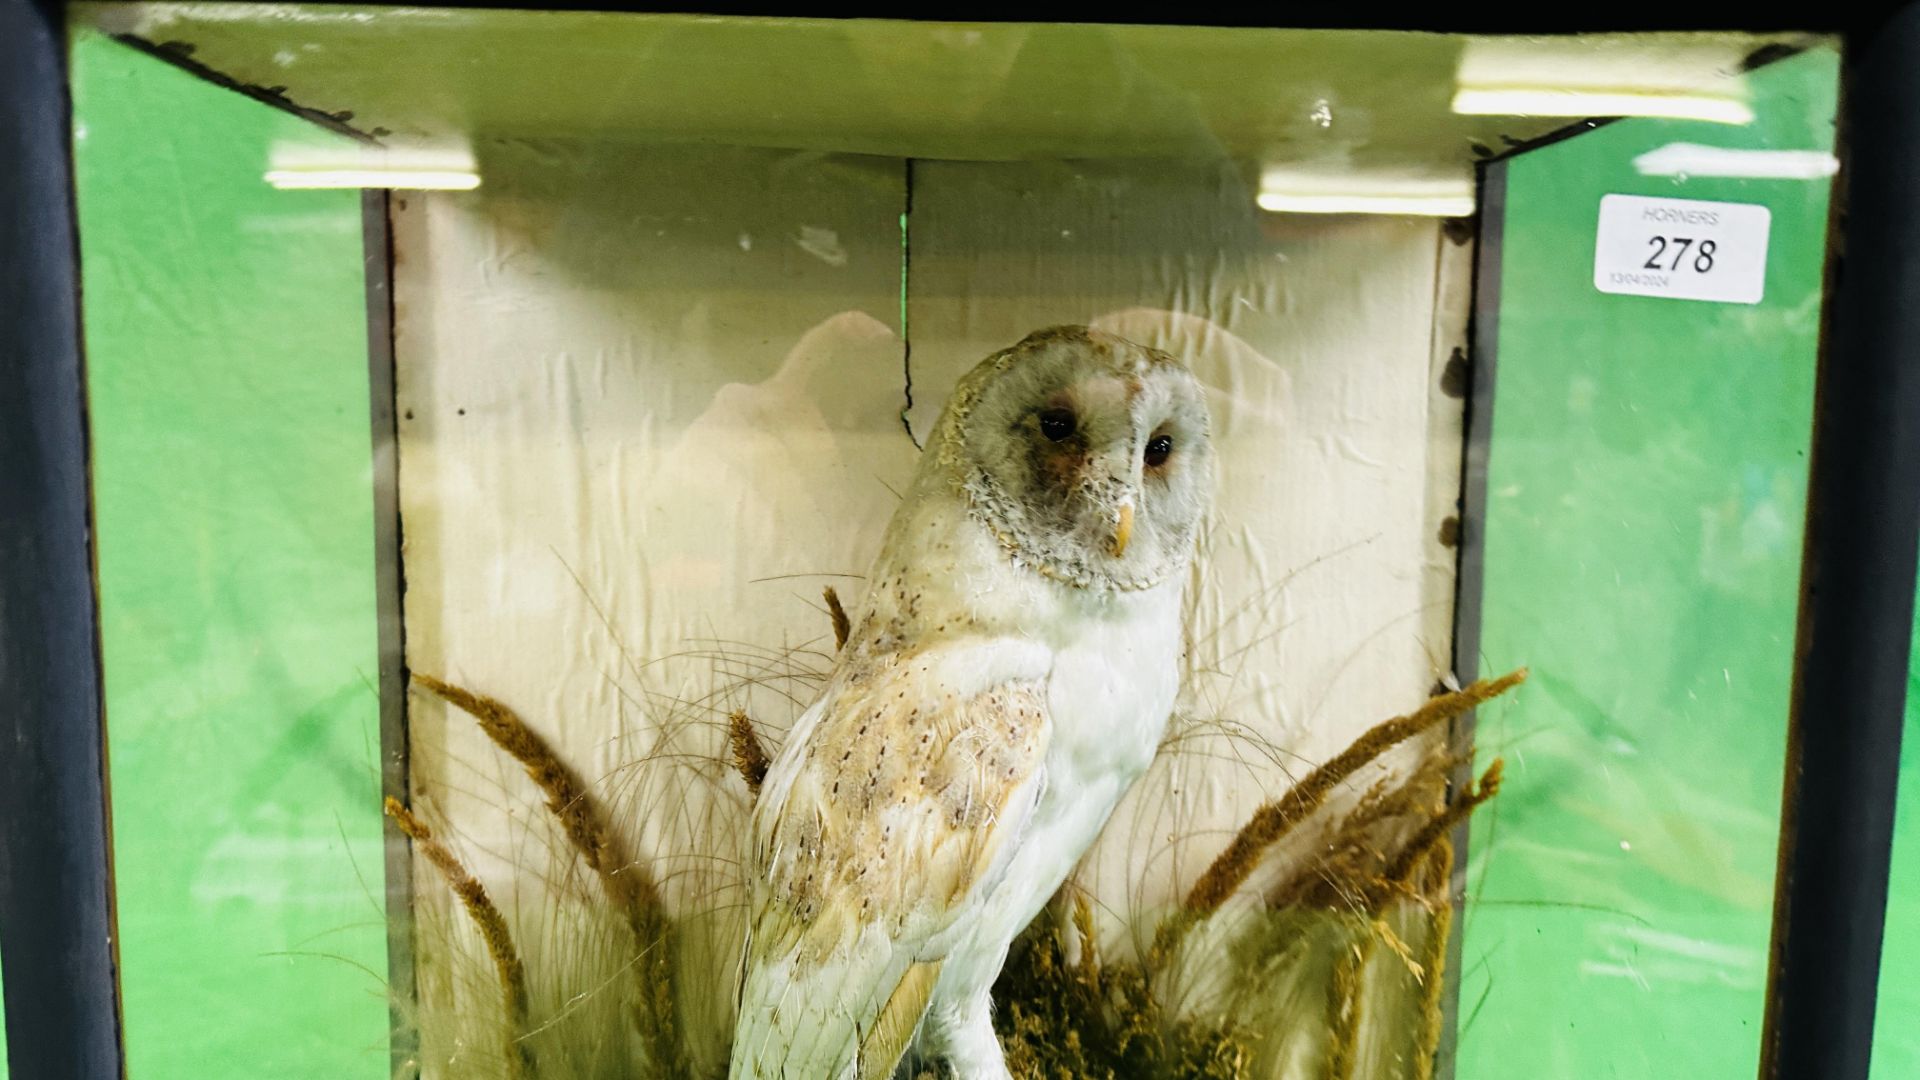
(1678, 247)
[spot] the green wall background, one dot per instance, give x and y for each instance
(1646, 494)
(227, 369)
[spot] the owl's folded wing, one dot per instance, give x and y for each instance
(873, 835)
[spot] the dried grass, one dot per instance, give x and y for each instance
(842, 626)
(629, 887)
(1230, 870)
(1336, 970)
(749, 757)
(493, 931)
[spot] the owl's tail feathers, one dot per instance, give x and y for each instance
(848, 1018)
(885, 1043)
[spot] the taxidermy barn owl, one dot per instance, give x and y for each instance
(1009, 675)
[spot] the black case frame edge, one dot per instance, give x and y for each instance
(1863, 533)
(1857, 581)
(1623, 15)
(56, 894)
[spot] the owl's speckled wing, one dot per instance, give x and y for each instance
(897, 798)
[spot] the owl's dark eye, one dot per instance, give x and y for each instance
(1158, 448)
(1056, 424)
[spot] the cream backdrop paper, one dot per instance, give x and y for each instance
(653, 399)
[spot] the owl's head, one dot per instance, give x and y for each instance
(1086, 454)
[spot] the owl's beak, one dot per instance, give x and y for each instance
(1122, 529)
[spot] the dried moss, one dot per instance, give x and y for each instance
(1087, 1020)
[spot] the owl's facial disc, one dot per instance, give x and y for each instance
(1088, 456)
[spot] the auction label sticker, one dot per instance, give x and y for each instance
(1682, 249)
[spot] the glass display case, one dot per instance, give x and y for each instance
(622, 544)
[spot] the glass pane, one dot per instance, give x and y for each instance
(941, 545)
(227, 371)
(1646, 490)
